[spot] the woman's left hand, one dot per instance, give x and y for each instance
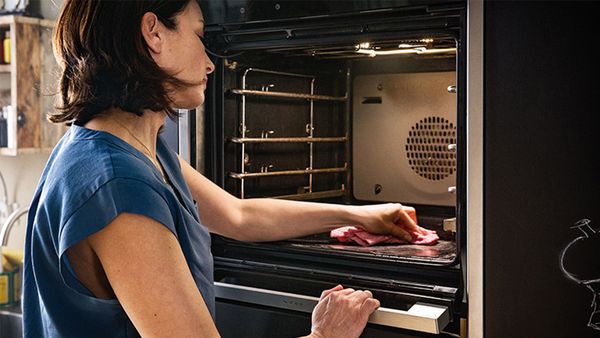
(389, 219)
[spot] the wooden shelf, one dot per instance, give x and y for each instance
(32, 79)
(8, 152)
(6, 20)
(24, 151)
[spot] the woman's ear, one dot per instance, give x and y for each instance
(150, 28)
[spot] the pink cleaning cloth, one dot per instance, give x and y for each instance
(353, 234)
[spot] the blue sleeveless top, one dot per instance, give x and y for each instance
(90, 178)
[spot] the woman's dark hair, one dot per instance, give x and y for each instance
(105, 61)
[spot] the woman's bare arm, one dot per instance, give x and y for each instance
(266, 219)
(151, 279)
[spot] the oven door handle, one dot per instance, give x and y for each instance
(421, 317)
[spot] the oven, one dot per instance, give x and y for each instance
(352, 102)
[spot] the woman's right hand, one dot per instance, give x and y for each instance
(342, 313)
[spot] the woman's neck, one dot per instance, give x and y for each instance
(139, 131)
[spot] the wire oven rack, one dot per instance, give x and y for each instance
(243, 140)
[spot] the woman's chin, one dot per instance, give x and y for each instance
(190, 102)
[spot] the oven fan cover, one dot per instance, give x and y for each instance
(404, 138)
(427, 148)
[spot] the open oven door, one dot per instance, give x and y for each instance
(420, 317)
(284, 287)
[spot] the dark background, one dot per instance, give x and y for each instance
(541, 171)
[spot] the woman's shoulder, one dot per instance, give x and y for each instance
(96, 169)
(92, 158)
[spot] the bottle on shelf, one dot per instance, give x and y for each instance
(2, 49)
(6, 46)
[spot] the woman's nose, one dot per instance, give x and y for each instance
(210, 66)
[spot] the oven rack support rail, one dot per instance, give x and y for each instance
(311, 97)
(307, 196)
(242, 140)
(289, 172)
(288, 139)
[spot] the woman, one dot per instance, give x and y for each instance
(116, 245)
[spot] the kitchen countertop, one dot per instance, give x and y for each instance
(11, 321)
(15, 309)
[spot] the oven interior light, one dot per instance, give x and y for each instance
(417, 50)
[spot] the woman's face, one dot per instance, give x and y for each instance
(183, 55)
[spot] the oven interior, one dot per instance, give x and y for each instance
(348, 123)
(353, 110)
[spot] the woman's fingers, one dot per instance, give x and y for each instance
(364, 299)
(326, 293)
(370, 305)
(343, 293)
(397, 231)
(342, 312)
(361, 296)
(357, 296)
(412, 213)
(406, 220)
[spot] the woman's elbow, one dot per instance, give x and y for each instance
(229, 223)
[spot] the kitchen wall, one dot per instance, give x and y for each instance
(22, 172)
(48, 9)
